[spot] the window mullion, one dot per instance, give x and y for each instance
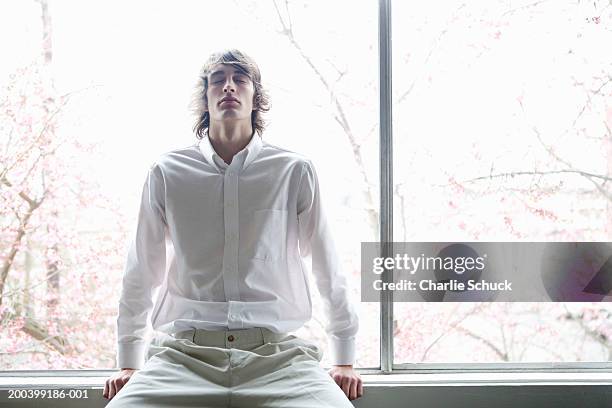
(386, 180)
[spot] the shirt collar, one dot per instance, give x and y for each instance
(251, 150)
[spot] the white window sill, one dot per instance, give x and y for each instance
(397, 390)
(97, 378)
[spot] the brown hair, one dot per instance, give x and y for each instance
(242, 62)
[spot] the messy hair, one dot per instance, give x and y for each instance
(246, 65)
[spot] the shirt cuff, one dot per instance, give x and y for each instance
(342, 350)
(130, 355)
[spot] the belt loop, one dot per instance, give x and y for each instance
(194, 333)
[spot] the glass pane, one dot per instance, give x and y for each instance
(112, 95)
(502, 132)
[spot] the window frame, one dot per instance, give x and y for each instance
(387, 363)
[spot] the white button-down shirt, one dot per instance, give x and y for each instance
(223, 247)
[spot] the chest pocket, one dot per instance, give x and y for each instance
(270, 229)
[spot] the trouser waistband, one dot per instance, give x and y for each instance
(231, 338)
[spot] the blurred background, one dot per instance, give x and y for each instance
(502, 118)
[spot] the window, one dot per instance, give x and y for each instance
(112, 95)
(502, 119)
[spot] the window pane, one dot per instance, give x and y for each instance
(112, 95)
(502, 118)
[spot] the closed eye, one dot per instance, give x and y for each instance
(241, 81)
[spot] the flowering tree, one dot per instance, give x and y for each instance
(51, 300)
(533, 163)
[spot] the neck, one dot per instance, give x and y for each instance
(229, 138)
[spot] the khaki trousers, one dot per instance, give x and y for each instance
(235, 368)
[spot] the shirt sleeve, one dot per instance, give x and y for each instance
(315, 240)
(144, 272)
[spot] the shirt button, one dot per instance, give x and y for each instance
(230, 338)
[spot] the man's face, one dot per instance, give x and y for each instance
(230, 94)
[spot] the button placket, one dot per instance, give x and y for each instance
(232, 238)
(230, 250)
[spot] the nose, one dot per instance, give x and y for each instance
(229, 86)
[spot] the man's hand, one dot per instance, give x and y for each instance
(116, 381)
(347, 378)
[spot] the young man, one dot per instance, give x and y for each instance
(236, 218)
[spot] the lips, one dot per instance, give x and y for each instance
(228, 100)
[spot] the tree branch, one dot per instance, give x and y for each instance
(340, 117)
